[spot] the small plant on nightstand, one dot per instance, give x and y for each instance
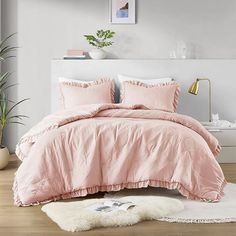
(7, 106)
(99, 41)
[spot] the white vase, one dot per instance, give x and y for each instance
(97, 54)
(4, 157)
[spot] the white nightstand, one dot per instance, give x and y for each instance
(227, 140)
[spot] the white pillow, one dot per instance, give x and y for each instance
(66, 80)
(123, 78)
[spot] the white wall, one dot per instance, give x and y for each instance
(184, 71)
(48, 27)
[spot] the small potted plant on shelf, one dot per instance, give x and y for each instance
(99, 41)
(7, 106)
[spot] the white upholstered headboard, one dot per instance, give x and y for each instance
(221, 72)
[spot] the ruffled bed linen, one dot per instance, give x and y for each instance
(109, 147)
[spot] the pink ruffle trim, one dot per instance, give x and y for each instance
(86, 85)
(138, 83)
(118, 187)
(216, 152)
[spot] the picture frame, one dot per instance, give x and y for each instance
(122, 11)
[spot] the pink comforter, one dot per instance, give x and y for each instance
(110, 147)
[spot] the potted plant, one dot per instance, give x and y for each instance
(99, 41)
(6, 105)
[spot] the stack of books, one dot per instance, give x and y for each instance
(73, 54)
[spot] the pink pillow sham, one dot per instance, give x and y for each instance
(163, 96)
(75, 93)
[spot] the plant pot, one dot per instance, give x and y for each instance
(97, 54)
(4, 157)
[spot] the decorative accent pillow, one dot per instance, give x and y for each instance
(123, 78)
(163, 96)
(76, 92)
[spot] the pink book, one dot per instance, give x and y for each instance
(74, 52)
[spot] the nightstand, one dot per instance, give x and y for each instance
(227, 140)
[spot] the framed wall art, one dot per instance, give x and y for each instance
(122, 12)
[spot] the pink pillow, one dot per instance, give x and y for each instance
(161, 96)
(75, 93)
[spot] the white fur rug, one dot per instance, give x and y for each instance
(75, 216)
(194, 211)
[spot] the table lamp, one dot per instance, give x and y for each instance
(194, 89)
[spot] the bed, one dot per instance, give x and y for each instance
(86, 148)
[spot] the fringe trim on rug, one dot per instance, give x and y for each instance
(197, 221)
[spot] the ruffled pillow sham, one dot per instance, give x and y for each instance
(76, 92)
(163, 96)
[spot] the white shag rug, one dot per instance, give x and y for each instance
(75, 216)
(194, 211)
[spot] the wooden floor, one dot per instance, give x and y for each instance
(31, 221)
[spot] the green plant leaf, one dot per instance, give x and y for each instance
(93, 44)
(100, 41)
(90, 38)
(4, 52)
(16, 122)
(21, 117)
(110, 34)
(100, 33)
(4, 76)
(6, 39)
(15, 105)
(10, 86)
